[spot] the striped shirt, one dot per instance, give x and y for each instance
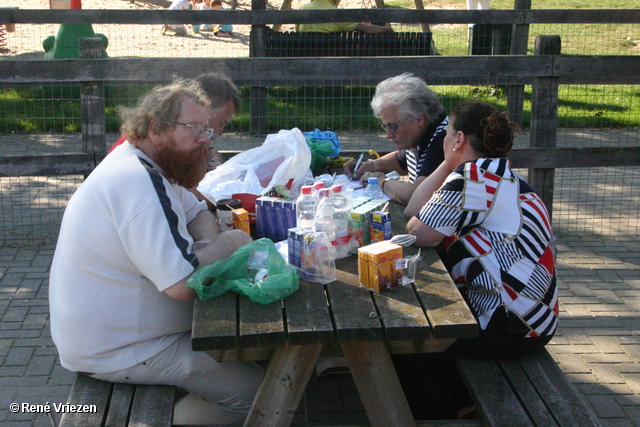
(428, 154)
(499, 243)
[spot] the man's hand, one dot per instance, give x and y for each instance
(364, 167)
(221, 247)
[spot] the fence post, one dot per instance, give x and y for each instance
(93, 121)
(544, 119)
(258, 94)
(519, 43)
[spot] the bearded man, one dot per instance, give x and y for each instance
(131, 236)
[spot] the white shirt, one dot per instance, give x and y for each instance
(123, 241)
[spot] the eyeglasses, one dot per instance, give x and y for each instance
(198, 129)
(392, 126)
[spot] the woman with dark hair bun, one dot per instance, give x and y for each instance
(494, 234)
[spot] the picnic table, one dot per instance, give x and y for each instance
(339, 318)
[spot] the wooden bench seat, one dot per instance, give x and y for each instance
(525, 391)
(292, 44)
(119, 404)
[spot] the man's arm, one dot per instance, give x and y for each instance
(425, 190)
(221, 247)
(204, 228)
(401, 191)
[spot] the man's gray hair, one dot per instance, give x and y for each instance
(409, 95)
(220, 90)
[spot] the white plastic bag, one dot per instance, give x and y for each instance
(283, 159)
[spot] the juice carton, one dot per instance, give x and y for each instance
(377, 266)
(241, 220)
(380, 226)
(298, 242)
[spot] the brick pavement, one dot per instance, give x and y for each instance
(597, 346)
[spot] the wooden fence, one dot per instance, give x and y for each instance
(545, 71)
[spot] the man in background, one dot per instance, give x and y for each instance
(330, 27)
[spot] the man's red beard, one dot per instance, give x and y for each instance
(185, 168)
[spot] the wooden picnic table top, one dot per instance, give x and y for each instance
(427, 315)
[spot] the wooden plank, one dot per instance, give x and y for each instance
(544, 120)
(448, 313)
(294, 71)
(260, 325)
(564, 402)
(152, 406)
(552, 157)
(354, 314)
(527, 394)
(378, 384)
(120, 405)
(267, 17)
(92, 102)
(241, 354)
(307, 315)
(401, 315)
(87, 391)
(48, 164)
(491, 393)
(284, 383)
(596, 69)
(215, 323)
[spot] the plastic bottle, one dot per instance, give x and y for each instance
(305, 208)
(341, 221)
(315, 188)
(324, 215)
(373, 189)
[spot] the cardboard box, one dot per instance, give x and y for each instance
(360, 223)
(377, 266)
(380, 226)
(241, 220)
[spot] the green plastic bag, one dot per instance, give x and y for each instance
(256, 270)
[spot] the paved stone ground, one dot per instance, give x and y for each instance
(598, 344)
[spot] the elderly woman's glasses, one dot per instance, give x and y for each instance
(198, 129)
(393, 127)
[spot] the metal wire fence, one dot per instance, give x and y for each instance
(46, 119)
(587, 201)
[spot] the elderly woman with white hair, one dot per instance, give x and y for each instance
(414, 120)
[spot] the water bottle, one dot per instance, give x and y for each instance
(324, 215)
(315, 188)
(341, 221)
(373, 189)
(305, 208)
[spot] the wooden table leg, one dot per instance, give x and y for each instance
(378, 384)
(279, 395)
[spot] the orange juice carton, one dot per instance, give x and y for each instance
(359, 226)
(380, 226)
(241, 220)
(377, 266)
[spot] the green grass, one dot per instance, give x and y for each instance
(57, 109)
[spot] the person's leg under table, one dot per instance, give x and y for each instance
(219, 392)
